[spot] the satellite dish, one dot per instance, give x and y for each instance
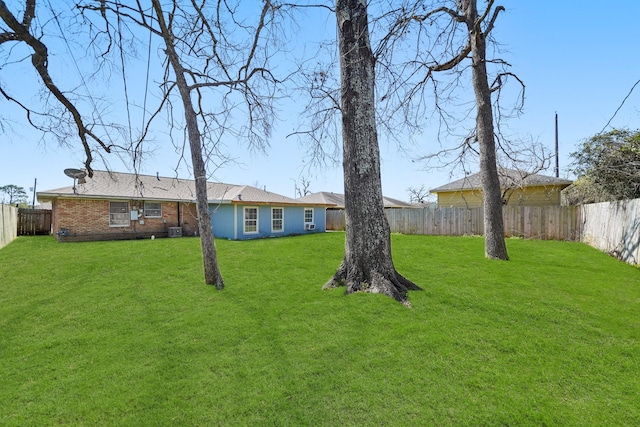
(75, 173)
(78, 174)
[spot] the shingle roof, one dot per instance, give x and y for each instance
(394, 203)
(118, 185)
(324, 197)
(338, 200)
(507, 177)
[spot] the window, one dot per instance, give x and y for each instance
(119, 214)
(152, 210)
(250, 220)
(308, 215)
(277, 219)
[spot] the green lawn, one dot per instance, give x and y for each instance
(126, 333)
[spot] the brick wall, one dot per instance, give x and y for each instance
(86, 219)
(189, 218)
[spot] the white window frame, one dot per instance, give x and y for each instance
(245, 220)
(159, 215)
(119, 219)
(273, 220)
(306, 221)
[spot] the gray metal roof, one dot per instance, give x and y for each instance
(338, 200)
(508, 177)
(118, 185)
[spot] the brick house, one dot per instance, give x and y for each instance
(113, 205)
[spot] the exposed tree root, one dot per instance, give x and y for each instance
(376, 281)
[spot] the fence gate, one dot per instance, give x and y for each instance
(33, 222)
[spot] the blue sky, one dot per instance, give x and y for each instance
(579, 61)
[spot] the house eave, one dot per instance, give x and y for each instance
(52, 196)
(276, 203)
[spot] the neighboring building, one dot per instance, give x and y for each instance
(518, 188)
(335, 219)
(337, 200)
(113, 205)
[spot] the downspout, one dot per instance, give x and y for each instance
(235, 222)
(132, 205)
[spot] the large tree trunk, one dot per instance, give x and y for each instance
(212, 275)
(495, 246)
(367, 265)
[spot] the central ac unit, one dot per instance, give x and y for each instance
(309, 226)
(175, 231)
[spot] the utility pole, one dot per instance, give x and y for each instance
(557, 169)
(33, 203)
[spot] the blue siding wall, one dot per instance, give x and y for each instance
(222, 220)
(294, 220)
(295, 223)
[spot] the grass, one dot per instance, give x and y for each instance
(125, 333)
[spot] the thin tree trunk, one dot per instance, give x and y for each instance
(212, 275)
(495, 246)
(367, 265)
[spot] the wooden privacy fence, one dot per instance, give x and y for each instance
(33, 222)
(533, 222)
(8, 224)
(614, 227)
(543, 222)
(335, 219)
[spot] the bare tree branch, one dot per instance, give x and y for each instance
(39, 60)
